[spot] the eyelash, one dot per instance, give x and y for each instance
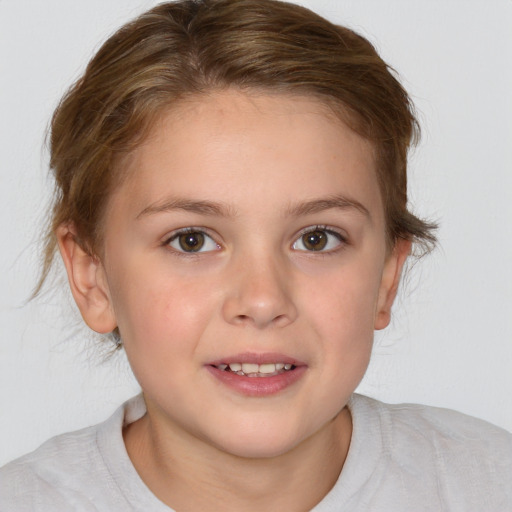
(189, 230)
(298, 239)
(342, 239)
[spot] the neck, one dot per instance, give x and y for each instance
(197, 476)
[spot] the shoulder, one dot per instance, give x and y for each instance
(460, 458)
(443, 428)
(45, 475)
(436, 430)
(71, 471)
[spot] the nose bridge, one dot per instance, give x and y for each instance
(260, 290)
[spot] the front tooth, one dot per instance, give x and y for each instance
(267, 368)
(235, 367)
(250, 368)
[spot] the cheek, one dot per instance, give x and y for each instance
(161, 324)
(346, 301)
(161, 311)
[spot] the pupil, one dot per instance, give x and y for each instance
(315, 241)
(191, 242)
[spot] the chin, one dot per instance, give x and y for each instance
(259, 450)
(259, 442)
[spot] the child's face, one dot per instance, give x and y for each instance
(283, 261)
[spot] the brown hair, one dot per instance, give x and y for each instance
(191, 47)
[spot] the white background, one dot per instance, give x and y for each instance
(450, 343)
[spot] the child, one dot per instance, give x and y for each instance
(231, 207)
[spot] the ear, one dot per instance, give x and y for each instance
(87, 281)
(390, 281)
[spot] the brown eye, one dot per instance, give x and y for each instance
(319, 239)
(191, 242)
(315, 240)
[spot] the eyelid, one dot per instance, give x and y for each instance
(330, 230)
(342, 238)
(183, 231)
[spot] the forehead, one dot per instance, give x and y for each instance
(239, 147)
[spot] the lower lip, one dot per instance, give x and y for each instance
(258, 386)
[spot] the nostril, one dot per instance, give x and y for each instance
(260, 306)
(280, 319)
(248, 319)
(242, 319)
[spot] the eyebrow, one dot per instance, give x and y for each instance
(332, 202)
(209, 208)
(215, 209)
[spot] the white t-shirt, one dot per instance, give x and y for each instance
(401, 458)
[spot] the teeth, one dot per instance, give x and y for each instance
(250, 368)
(267, 368)
(254, 370)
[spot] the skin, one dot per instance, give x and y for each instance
(273, 166)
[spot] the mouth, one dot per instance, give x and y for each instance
(257, 375)
(256, 370)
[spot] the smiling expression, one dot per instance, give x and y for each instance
(245, 265)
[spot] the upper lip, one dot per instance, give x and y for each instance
(257, 358)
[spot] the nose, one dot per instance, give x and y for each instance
(260, 294)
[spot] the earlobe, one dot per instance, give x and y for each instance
(390, 282)
(87, 281)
